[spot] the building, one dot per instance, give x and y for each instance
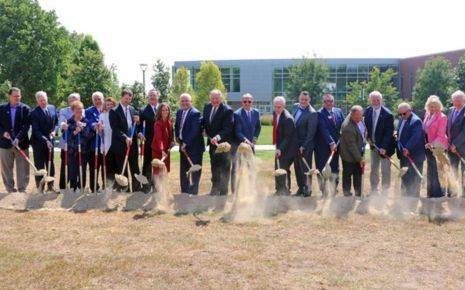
(267, 78)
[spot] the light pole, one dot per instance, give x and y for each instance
(143, 67)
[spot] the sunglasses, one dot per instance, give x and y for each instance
(247, 102)
(328, 101)
(403, 114)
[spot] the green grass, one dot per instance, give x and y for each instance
(266, 136)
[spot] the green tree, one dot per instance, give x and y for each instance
(161, 79)
(307, 75)
(34, 48)
(460, 74)
(208, 78)
(378, 81)
(4, 87)
(138, 99)
(181, 84)
(436, 78)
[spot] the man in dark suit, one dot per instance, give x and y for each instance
(218, 122)
(285, 139)
(147, 115)
(188, 132)
(44, 120)
(306, 123)
(351, 150)
(456, 134)
(122, 119)
(410, 142)
(93, 116)
(380, 128)
(14, 127)
(330, 120)
(247, 128)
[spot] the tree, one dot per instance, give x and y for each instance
(181, 84)
(4, 88)
(34, 48)
(307, 75)
(436, 78)
(460, 74)
(138, 99)
(208, 78)
(382, 82)
(161, 79)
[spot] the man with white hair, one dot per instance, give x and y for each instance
(93, 115)
(44, 120)
(285, 140)
(147, 115)
(63, 116)
(188, 132)
(410, 146)
(379, 122)
(456, 134)
(218, 122)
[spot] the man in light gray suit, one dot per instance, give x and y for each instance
(306, 122)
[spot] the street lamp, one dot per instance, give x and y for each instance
(143, 67)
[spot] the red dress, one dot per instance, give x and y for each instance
(162, 139)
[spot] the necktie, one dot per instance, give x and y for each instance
(249, 117)
(454, 117)
(212, 115)
(334, 117)
(183, 118)
(128, 118)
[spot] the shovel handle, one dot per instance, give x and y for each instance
(414, 166)
(188, 158)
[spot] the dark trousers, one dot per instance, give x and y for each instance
(283, 182)
(132, 163)
(321, 157)
(62, 170)
(73, 168)
(433, 187)
(221, 171)
(300, 169)
(457, 168)
(110, 161)
(41, 154)
(351, 172)
(186, 187)
(410, 181)
(147, 163)
(91, 165)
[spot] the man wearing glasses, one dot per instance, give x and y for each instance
(410, 148)
(330, 120)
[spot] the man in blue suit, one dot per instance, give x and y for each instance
(410, 142)
(330, 120)
(456, 135)
(93, 115)
(44, 120)
(14, 127)
(380, 126)
(247, 128)
(306, 124)
(188, 132)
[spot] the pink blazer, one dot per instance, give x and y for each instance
(437, 129)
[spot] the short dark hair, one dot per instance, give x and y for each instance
(13, 89)
(305, 93)
(126, 92)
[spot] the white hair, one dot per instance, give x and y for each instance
(279, 99)
(74, 95)
(356, 108)
(247, 95)
(155, 91)
(41, 94)
(374, 94)
(97, 95)
(458, 94)
(404, 106)
(186, 95)
(216, 92)
(328, 96)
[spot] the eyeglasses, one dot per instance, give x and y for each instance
(403, 114)
(328, 101)
(247, 102)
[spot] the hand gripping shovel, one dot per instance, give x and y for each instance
(120, 178)
(141, 177)
(402, 170)
(192, 169)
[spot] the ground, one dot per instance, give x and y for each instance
(43, 249)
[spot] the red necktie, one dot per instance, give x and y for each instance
(274, 130)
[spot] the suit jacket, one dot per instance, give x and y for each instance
(306, 127)
(21, 125)
(93, 117)
(351, 144)
(412, 138)
(222, 123)
(86, 135)
(456, 130)
(42, 125)
(191, 131)
(244, 128)
(384, 133)
(147, 114)
(120, 130)
(329, 127)
(286, 135)
(436, 131)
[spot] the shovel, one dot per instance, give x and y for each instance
(81, 183)
(410, 160)
(47, 178)
(310, 170)
(194, 167)
(120, 178)
(141, 177)
(66, 160)
(402, 170)
(279, 171)
(96, 162)
(41, 172)
(104, 159)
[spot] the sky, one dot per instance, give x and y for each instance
(140, 31)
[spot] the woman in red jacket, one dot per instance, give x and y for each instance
(163, 136)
